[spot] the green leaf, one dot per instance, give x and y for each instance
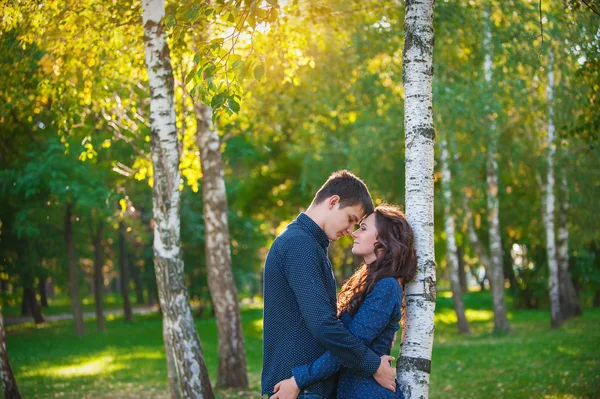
(237, 65)
(190, 76)
(170, 21)
(210, 70)
(233, 105)
(273, 3)
(218, 100)
(259, 72)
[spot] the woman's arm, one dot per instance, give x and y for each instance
(370, 320)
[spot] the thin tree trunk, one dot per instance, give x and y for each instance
(452, 255)
(98, 277)
(462, 273)
(232, 357)
(9, 384)
(476, 244)
(176, 393)
(34, 308)
(496, 271)
(50, 288)
(179, 331)
(554, 290)
(124, 272)
(73, 273)
(43, 293)
(414, 365)
(137, 281)
(569, 302)
(26, 309)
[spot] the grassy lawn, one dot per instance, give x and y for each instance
(62, 304)
(127, 361)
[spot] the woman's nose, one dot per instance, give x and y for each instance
(354, 233)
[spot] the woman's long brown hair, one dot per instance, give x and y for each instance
(395, 257)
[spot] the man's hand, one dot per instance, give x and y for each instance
(286, 389)
(385, 374)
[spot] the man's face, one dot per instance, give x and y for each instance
(341, 221)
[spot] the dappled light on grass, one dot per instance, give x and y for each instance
(105, 363)
(448, 316)
(102, 365)
(258, 325)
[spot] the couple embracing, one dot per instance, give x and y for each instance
(318, 345)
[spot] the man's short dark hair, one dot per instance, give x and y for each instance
(351, 190)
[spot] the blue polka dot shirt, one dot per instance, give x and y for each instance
(374, 323)
(299, 320)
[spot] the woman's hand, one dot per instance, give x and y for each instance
(286, 389)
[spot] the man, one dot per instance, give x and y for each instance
(300, 322)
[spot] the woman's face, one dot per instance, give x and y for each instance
(365, 238)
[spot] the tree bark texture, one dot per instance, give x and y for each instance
(553, 288)
(452, 253)
(414, 365)
(462, 273)
(496, 271)
(182, 343)
(124, 272)
(232, 357)
(31, 307)
(569, 302)
(43, 292)
(9, 384)
(73, 273)
(98, 276)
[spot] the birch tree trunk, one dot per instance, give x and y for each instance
(475, 243)
(98, 278)
(182, 343)
(124, 272)
(414, 365)
(496, 272)
(232, 357)
(554, 293)
(9, 384)
(73, 273)
(569, 302)
(452, 254)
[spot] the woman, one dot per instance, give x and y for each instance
(369, 304)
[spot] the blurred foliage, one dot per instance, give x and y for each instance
(300, 89)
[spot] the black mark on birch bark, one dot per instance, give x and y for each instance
(407, 363)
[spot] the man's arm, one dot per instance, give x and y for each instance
(369, 321)
(303, 270)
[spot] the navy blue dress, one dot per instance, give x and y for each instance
(374, 323)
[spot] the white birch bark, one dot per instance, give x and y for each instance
(232, 357)
(414, 365)
(496, 272)
(554, 293)
(452, 255)
(7, 378)
(569, 302)
(181, 338)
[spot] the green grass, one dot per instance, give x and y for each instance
(127, 361)
(62, 304)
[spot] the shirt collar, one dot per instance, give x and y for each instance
(314, 229)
